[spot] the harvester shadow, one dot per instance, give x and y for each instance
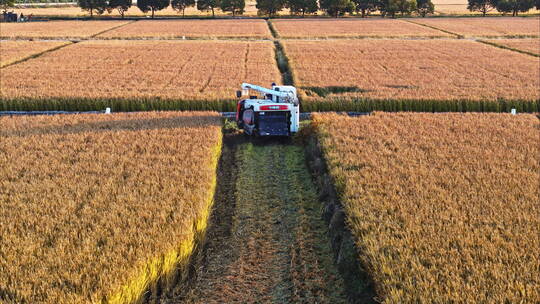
(128, 123)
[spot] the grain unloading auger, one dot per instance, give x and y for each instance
(275, 112)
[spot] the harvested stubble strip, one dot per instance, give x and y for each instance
(531, 45)
(168, 70)
(485, 27)
(56, 29)
(13, 51)
(421, 70)
(97, 207)
(328, 28)
(444, 207)
(239, 28)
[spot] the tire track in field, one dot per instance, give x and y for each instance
(275, 248)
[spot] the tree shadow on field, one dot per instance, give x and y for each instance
(126, 123)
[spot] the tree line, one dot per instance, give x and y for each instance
(334, 8)
(268, 8)
(504, 6)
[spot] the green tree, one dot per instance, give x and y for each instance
(236, 7)
(5, 4)
(483, 6)
(514, 6)
(181, 5)
(337, 7)
(99, 6)
(121, 5)
(424, 7)
(207, 5)
(537, 4)
(270, 7)
(392, 7)
(365, 7)
(406, 6)
(303, 6)
(152, 5)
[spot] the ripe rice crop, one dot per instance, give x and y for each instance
(412, 70)
(444, 207)
(56, 29)
(12, 51)
(531, 45)
(141, 72)
(254, 28)
(485, 27)
(326, 28)
(98, 207)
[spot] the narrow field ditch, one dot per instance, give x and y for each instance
(267, 241)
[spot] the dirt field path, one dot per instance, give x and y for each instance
(267, 243)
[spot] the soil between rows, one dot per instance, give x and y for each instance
(266, 242)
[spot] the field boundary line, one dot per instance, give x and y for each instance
(504, 47)
(459, 36)
(38, 54)
(283, 64)
(272, 29)
(112, 28)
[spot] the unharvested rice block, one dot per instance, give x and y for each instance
(485, 27)
(97, 207)
(11, 51)
(443, 207)
(531, 45)
(324, 28)
(180, 70)
(56, 29)
(255, 28)
(422, 70)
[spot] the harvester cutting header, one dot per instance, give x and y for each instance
(275, 112)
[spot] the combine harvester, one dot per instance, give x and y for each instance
(276, 112)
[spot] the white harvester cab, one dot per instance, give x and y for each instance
(273, 112)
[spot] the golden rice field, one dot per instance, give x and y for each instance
(15, 50)
(351, 28)
(252, 28)
(97, 207)
(531, 45)
(444, 207)
(56, 29)
(180, 70)
(485, 27)
(421, 69)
